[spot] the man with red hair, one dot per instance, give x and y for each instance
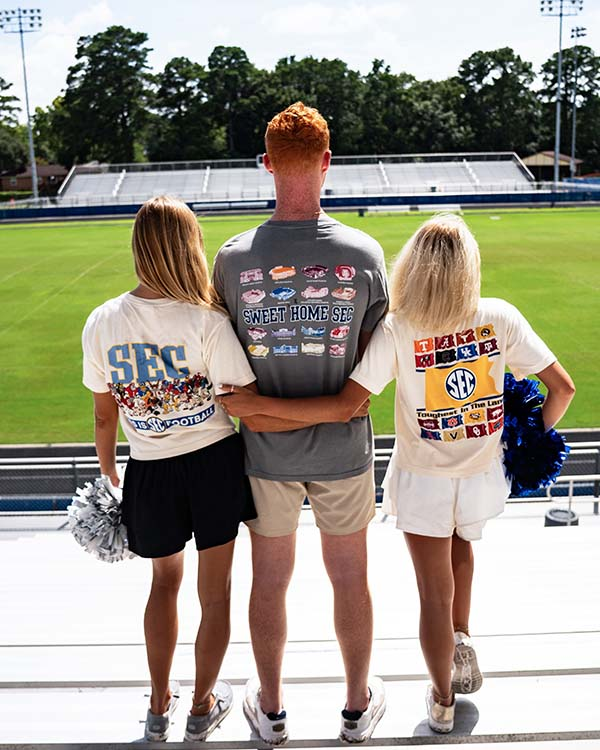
(305, 293)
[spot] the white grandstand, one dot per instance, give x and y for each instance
(247, 180)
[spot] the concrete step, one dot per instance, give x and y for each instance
(72, 660)
(549, 654)
(511, 710)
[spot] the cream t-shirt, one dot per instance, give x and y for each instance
(449, 409)
(163, 360)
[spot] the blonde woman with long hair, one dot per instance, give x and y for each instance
(447, 349)
(153, 358)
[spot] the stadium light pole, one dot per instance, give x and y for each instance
(577, 32)
(23, 21)
(560, 8)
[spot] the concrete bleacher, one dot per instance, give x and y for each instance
(88, 186)
(355, 179)
(143, 185)
(72, 659)
(247, 180)
(252, 182)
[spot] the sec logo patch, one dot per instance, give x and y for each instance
(460, 384)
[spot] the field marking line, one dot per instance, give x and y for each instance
(37, 263)
(58, 292)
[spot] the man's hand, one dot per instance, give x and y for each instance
(239, 401)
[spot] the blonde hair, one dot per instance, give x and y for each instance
(296, 136)
(168, 252)
(436, 279)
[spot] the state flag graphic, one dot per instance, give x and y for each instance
(424, 360)
(476, 431)
(422, 346)
(444, 342)
(452, 436)
(477, 416)
(465, 337)
(445, 357)
(469, 351)
(451, 423)
(459, 385)
(495, 413)
(488, 347)
(485, 332)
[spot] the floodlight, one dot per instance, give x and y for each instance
(22, 21)
(559, 8)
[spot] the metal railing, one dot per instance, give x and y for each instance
(48, 483)
(351, 191)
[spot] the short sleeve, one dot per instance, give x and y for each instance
(378, 295)
(217, 276)
(378, 365)
(526, 353)
(94, 376)
(225, 357)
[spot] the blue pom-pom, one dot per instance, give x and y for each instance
(533, 457)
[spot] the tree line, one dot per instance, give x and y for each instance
(115, 109)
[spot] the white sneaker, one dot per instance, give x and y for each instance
(440, 718)
(158, 725)
(358, 726)
(466, 676)
(270, 727)
(198, 728)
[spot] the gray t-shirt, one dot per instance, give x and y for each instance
(299, 293)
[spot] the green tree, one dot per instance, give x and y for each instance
(386, 110)
(500, 107)
(104, 108)
(13, 150)
(183, 127)
(47, 133)
(437, 123)
(13, 147)
(9, 104)
(235, 89)
(588, 103)
(330, 86)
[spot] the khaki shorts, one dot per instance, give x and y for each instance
(341, 506)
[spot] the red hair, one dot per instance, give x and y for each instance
(296, 137)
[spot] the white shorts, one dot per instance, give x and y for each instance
(438, 506)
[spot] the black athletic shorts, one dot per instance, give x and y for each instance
(205, 493)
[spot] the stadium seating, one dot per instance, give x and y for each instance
(348, 176)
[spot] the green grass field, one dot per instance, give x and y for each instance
(53, 275)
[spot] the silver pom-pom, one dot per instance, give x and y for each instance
(95, 521)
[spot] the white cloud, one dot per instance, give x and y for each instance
(327, 20)
(49, 53)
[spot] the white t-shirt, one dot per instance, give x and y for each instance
(449, 407)
(163, 360)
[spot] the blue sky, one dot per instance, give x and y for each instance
(428, 38)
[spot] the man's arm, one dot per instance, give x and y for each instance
(363, 341)
(350, 402)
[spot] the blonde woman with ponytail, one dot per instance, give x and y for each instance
(447, 349)
(154, 358)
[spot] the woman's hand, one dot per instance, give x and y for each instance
(114, 478)
(239, 401)
(363, 409)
